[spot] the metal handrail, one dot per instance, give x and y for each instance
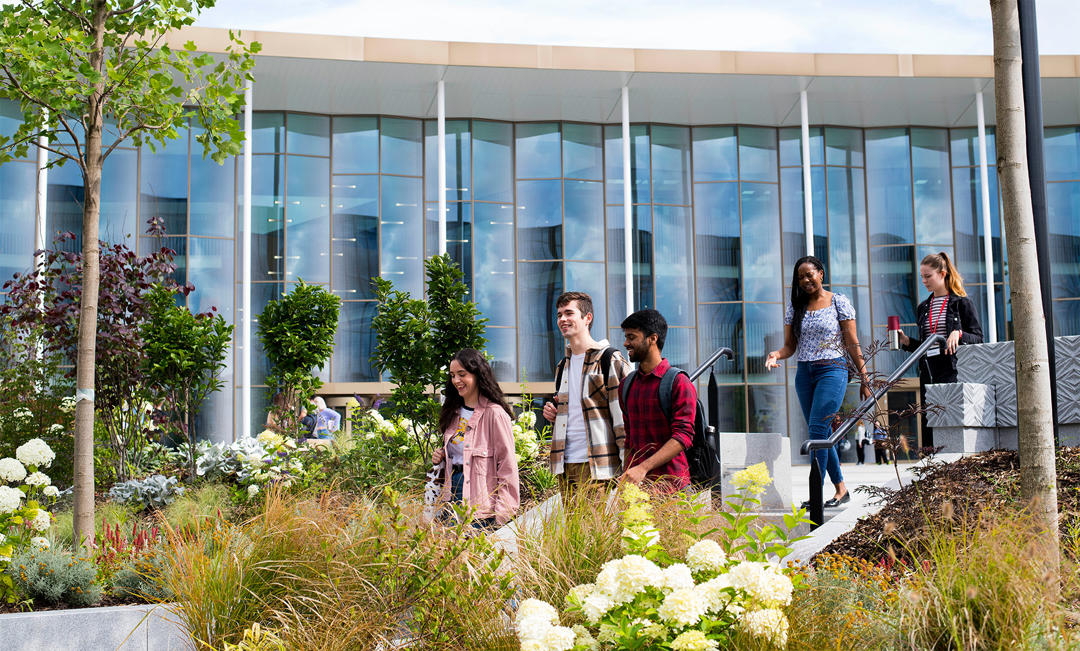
(860, 411)
(715, 357)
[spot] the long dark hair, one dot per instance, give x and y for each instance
(472, 361)
(799, 298)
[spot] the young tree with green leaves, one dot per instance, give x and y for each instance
(90, 75)
(185, 355)
(297, 332)
(417, 339)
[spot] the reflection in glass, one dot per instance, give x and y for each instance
(894, 282)
(1062, 152)
(887, 361)
(674, 264)
(10, 118)
(757, 154)
(679, 348)
(308, 134)
(356, 145)
(400, 146)
(17, 197)
(493, 161)
(764, 333)
(930, 169)
(212, 206)
(643, 257)
(639, 164)
(671, 165)
(967, 211)
(731, 401)
(267, 217)
(1066, 318)
(716, 154)
(582, 154)
(494, 263)
(766, 408)
(965, 147)
(164, 180)
(588, 277)
(721, 324)
(538, 151)
(307, 219)
(118, 196)
(888, 181)
(1063, 217)
(718, 248)
(178, 245)
(791, 147)
(539, 220)
(791, 211)
(64, 204)
(268, 132)
(458, 160)
(356, 236)
(458, 235)
(401, 247)
(760, 253)
(261, 295)
(210, 269)
(584, 222)
(354, 342)
(616, 267)
(843, 146)
(847, 227)
(539, 343)
(502, 351)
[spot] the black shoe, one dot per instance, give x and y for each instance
(832, 502)
(805, 505)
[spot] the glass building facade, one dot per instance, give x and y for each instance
(536, 208)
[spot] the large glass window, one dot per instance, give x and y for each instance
(17, 183)
(888, 180)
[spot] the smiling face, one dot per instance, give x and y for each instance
(932, 279)
(637, 344)
(570, 320)
(809, 278)
(464, 382)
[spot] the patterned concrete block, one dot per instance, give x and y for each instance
(1067, 360)
(965, 440)
(1008, 438)
(1069, 434)
(991, 364)
(960, 405)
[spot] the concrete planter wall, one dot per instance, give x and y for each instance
(130, 628)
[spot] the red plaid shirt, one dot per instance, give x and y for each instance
(646, 428)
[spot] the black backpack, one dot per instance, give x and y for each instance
(703, 456)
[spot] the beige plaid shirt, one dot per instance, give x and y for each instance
(602, 412)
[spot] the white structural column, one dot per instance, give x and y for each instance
(442, 166)
(988, 250)
(245, 274)
(628, 206)
(41, 201)
(808, 196)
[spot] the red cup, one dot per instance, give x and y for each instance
(894, 333)
(894, 323)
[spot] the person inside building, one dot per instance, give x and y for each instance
(819, 326)
(948, 312)
(656, 442)
(587, 435)
(478, 442)
(327, 421)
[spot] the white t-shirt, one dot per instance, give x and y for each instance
(577, 444)
(455, 446)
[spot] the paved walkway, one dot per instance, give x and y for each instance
(854, 476)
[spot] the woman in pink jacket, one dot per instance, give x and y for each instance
(478, 442)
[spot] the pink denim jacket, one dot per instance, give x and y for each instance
(490, 464)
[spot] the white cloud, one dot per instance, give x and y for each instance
(917, 26)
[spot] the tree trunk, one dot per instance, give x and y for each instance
(88, 303)
(1038, 477)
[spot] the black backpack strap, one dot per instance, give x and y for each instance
(624, 390)
(558, 373)
(667, 387)
(605, 362)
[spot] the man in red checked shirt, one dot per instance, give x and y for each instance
(655, 447)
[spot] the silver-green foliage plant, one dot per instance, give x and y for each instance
(55, 577)
(417, 339)
(155, 491)
(141, 580)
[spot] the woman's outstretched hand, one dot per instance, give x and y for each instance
(772, 361)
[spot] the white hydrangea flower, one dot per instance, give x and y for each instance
(252, 490)
(10, 499)
(51, 491)
(770, 624)
(706, 556)
(763, 582)
(678, 576)
(584, 638)
(35, 452)
(683, 607)
(534, 619)
(596, 605)
(22, 413)
(11, 470)
(559, 638)
(56, 429)
(622, 578)
(531, 644)
(528, 419)
(42, 521)
(40, 543)
(693, 641)
(67, 405)
(713, 594)
(37, 479)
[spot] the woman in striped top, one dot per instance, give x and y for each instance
(949, 312)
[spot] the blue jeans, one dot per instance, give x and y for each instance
(820, 387)
(457, 489)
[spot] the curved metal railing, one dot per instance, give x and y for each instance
(714, 358)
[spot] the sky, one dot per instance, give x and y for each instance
(870, 26)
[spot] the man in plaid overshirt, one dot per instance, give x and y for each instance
(587, 437)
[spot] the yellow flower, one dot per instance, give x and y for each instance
(754, 479)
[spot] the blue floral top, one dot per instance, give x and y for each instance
(820, 337)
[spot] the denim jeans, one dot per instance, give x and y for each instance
(457, 489)
(820, 386)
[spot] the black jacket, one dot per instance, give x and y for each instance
(959, 315)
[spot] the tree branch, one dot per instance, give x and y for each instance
(127, 134)
(132, 8)
(135, 66)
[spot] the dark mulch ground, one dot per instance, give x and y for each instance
(950, 491)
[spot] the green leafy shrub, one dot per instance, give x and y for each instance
(155, 491)
(141, 580)
(55, 577)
